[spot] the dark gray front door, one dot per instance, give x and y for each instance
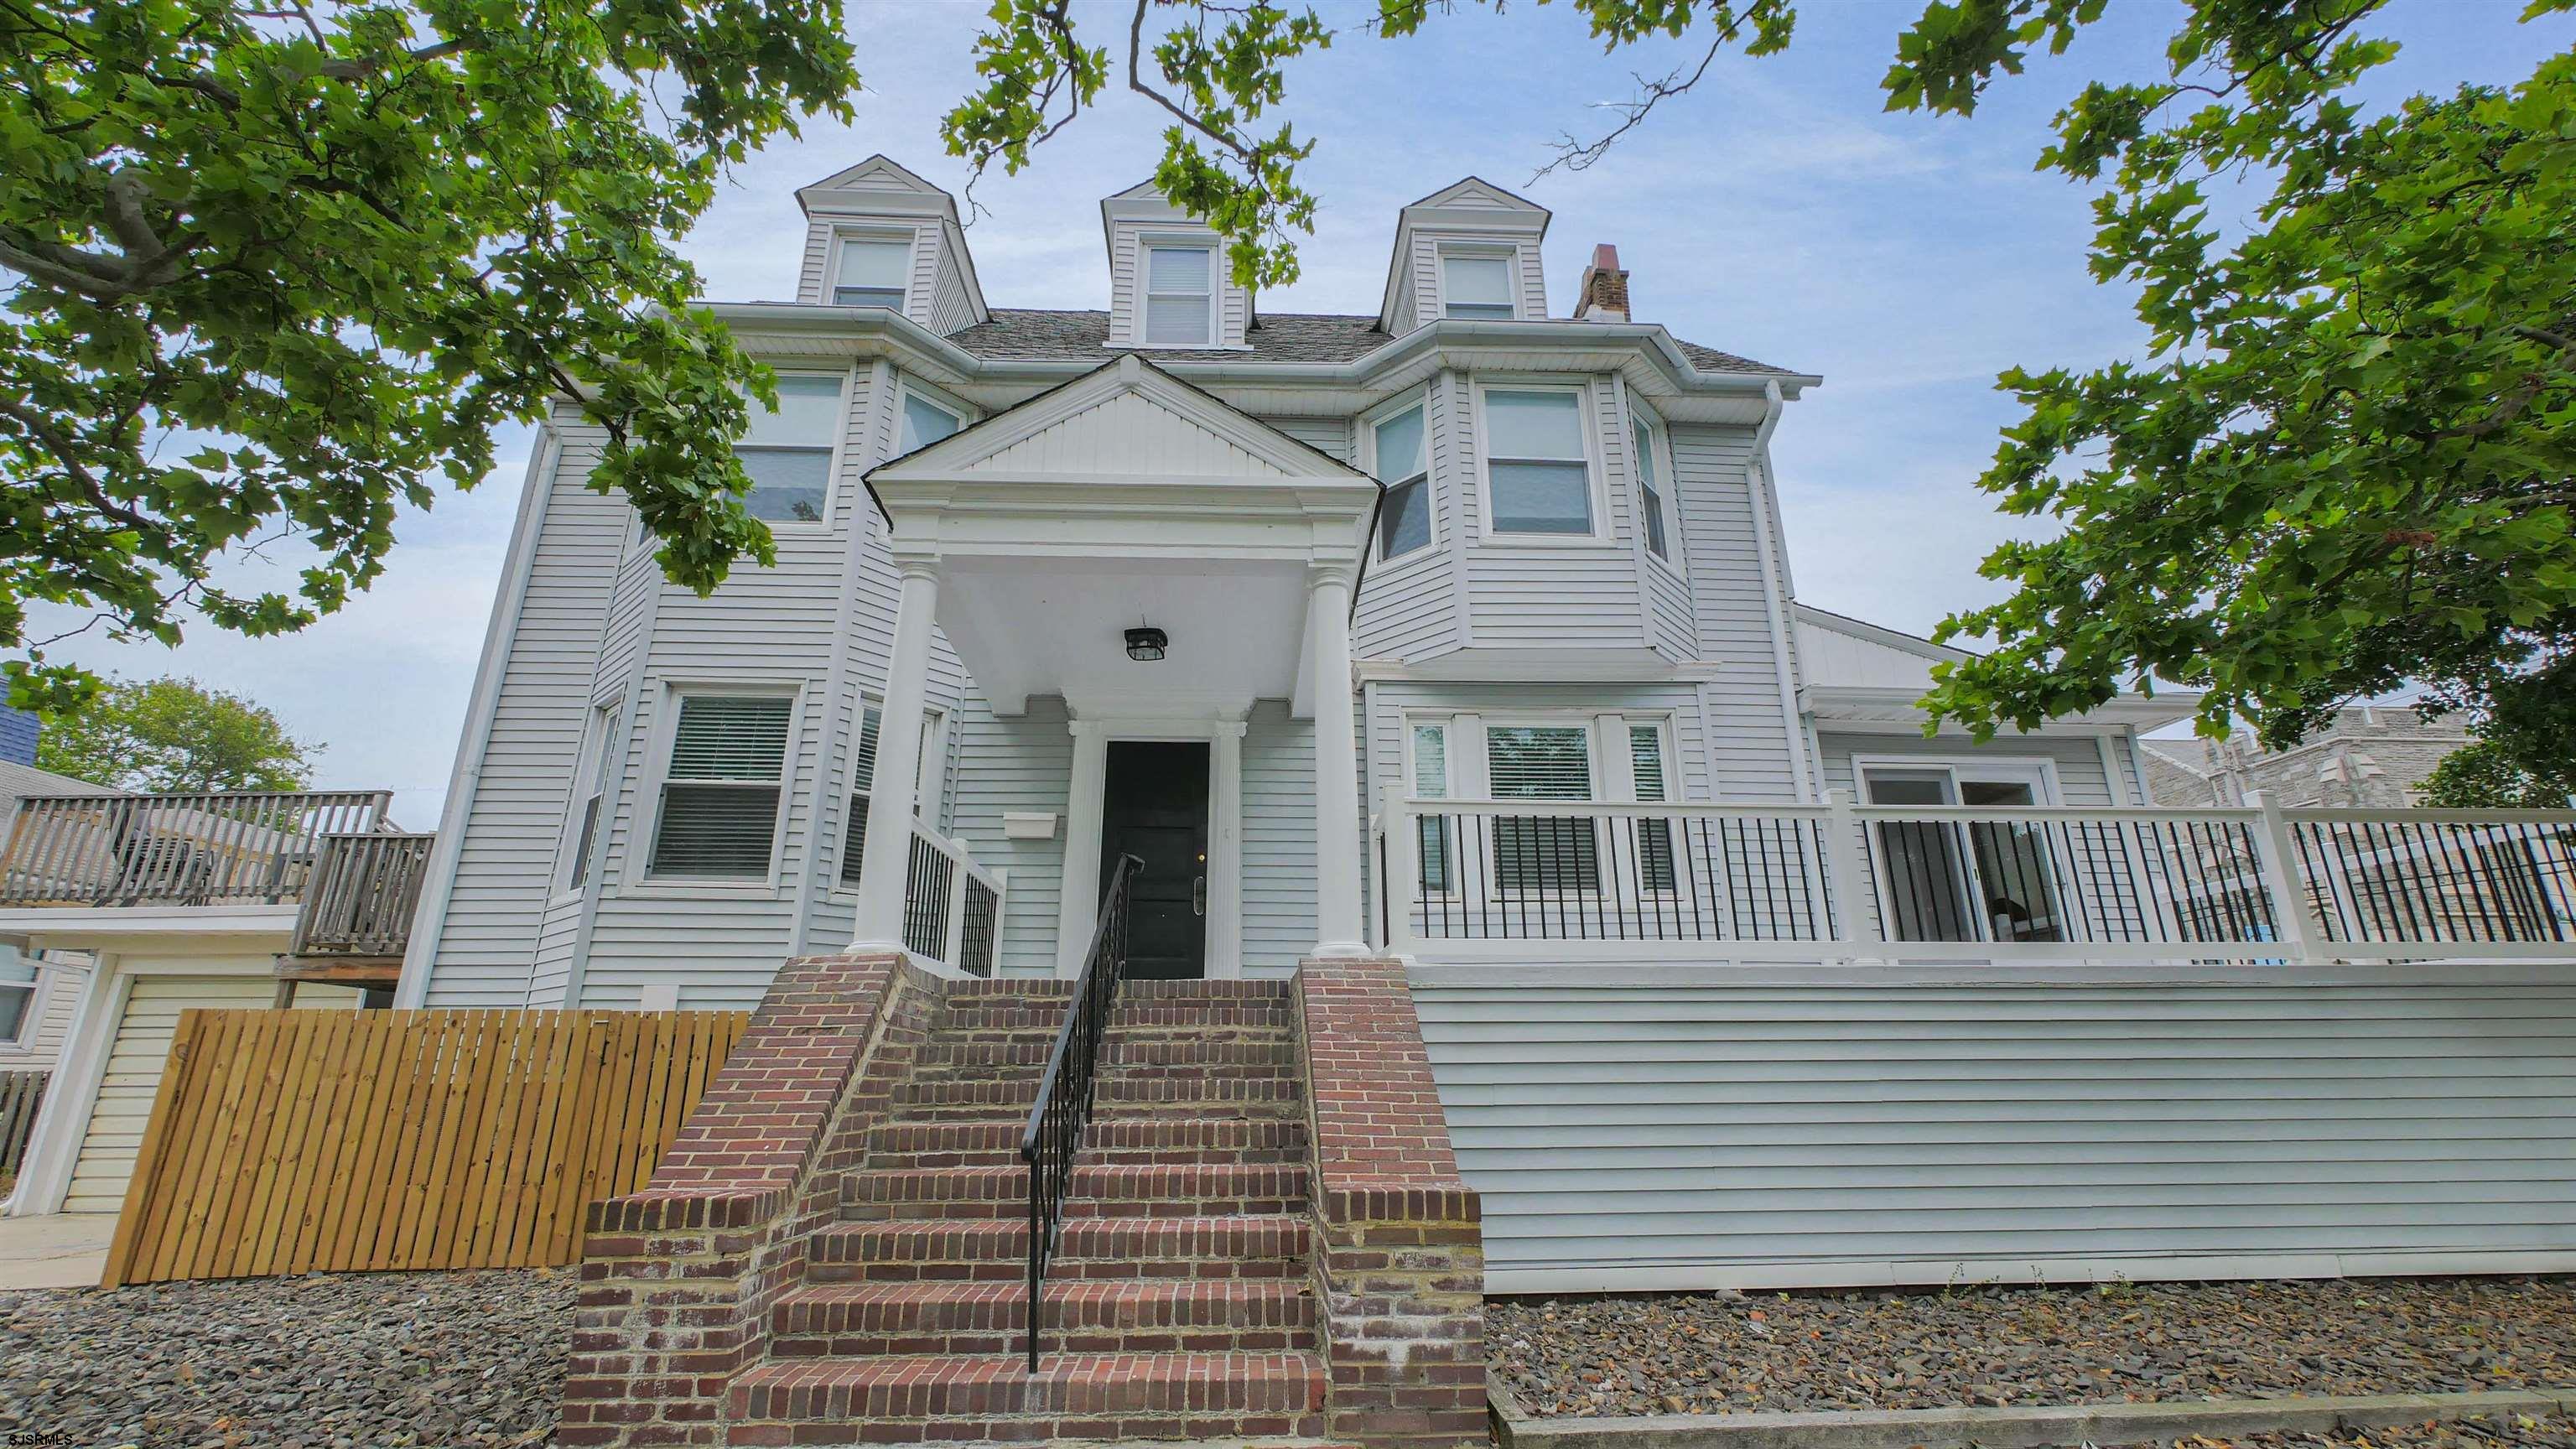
(1155, 807)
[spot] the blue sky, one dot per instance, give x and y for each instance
(1776, 212)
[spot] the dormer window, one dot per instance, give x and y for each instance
(1474, 284)
(1180, 295)
(873, 272)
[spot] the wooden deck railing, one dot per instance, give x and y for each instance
(361, 895)
(235, 847)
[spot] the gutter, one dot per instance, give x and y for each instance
(499, 637)
(1774, 596)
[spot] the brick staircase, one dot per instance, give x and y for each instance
(835, 1250)
(1178, 1305)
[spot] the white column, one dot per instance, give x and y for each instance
(1078, 896)
(1337, 765)
(888, 860)
(1225, 850)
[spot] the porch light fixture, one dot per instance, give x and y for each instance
(1145, 643)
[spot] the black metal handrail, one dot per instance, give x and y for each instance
(1063, 1107)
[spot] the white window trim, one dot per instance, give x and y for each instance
(1146, 244)
(938, 743)
(2041, 769)
(37, 991)
(908, 238)
(1368, 423)
(1588, 418)
(1658, 438)
(831, 466)
(907, 387)
(590, 768)
(638, 879)
(1507, 253)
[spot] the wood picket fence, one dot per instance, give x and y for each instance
(352, 1141)
(21, 1094)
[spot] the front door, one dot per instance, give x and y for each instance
(1155, 807)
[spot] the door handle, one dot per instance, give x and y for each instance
(1198, 896)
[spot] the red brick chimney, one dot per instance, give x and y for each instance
(1604, 294)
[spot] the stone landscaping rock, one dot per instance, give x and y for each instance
(327, 1361)
(1715, 1353)
(2551, 1432)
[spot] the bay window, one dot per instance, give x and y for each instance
(1650, 492)
(788, 453)
(1402, 464)
(1538, 470)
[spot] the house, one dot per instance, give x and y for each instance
(38, 989)
(2372, 756)
(1458, 633)
(157, 903)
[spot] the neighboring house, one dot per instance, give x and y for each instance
(1461, 630)
(39, 990)
(178, 901)
(18, 732)
(2372, 757)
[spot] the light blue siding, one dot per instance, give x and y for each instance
(1869, 1126)
(1024, 763)
(1278, 840)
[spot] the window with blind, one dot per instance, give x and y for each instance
(1543, 853)
(788, 453)
(874, 272)
(1654, 842)
(1537, 473)
(1650, 493)
(1476, 286)
(1180, 295)
(1431, 782)
(854, 830)
(924, 423)
(1404, 524)
(720, 795)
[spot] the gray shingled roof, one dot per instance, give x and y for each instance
(1024, 334)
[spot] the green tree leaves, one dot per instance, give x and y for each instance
(284, 268)
(175, 734)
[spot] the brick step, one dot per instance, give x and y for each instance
(1060, 991)
(1123, 1190)
(995, 1142)
(998, 1013)
(997, 1250)
(954, 1055)
(1134, 1316)
(1120, 1091)
(995, 1397)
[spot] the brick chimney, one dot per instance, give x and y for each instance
(1604, 294)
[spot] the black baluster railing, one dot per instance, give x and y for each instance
(1063, 1107)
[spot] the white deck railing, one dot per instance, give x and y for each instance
(1537, 880)
(952, 907)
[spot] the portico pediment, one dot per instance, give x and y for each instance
(1128, 420)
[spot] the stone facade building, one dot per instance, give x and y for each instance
(2374, 757)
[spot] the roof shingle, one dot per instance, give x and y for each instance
(1028, 334)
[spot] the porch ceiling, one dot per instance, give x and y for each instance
(1057, 626)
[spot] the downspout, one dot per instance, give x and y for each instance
(499, 637)
(1775, 592)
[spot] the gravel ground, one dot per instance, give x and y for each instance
(2553, 1432)
(1716, 1353)
(330, 1361)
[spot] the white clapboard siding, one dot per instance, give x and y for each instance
(137, 1053)
(1712, 495)
(1278, 840)
(1841, 1127)
(1561, 595)
(1022, 764)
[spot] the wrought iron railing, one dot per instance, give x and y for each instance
(952, 907)
(192, 849)
(1505, 880)
(363, 891)
(1063, 1107)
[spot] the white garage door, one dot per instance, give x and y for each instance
(134, 1060)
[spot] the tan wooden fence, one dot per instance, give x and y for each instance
(348, 1141)
(21, 1093)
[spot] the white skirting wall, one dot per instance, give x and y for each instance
(1637, 1128)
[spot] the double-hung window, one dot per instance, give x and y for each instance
(1404, 520)
(1538, 471)
(1437, 833)
(924, 422)
(1650, 491)
(1544, 854)
(1474, 284)
(721, 792)
(590, 779)
(1180, 295)
(873, 272)
(788, 453)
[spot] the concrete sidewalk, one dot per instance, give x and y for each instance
(60, 1250)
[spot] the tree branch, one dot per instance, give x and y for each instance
(1580, 156)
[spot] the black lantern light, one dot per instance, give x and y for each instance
(1145, 643)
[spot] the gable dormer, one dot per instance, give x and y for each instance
(1469, 250)
(879, 236)
(1169, 285)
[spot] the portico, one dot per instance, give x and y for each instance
(1036, 540)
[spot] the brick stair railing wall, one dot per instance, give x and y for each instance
(1399, 1244)
(678, 1279)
